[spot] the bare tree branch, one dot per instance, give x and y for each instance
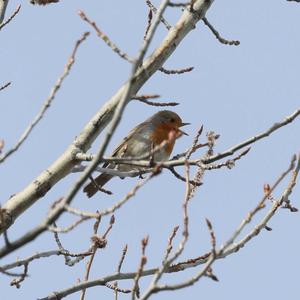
(59, 208)
(110, 115)
(21, 201)
(266, 133)
(48, 101)
(90, 262)
(179, 71)
(145, 99)
(141, 162)
(43, 2)
(36, 256)
(5, 86)
(167, 261)
(171, 4)
(11, 17)
(218, 36)
(206, 259)
(136, 290)
(105, 38)
(154, 11)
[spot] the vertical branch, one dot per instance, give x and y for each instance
(136, 289)
(185, 236)
(89, 264)
(124, 252)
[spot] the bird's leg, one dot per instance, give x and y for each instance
(101, 189)
(141, 175)
(151, 158)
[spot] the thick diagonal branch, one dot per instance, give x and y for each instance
(21, 201)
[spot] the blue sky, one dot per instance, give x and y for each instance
(234, 91)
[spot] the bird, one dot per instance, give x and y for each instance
(163, 127)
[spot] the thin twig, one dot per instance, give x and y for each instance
(230, 163)
(46, 254)
(185, 235)
(258, 207)
(90, 262)
(154, 10)
(17, 281)
(179, 71)
(206, 259)
(116, 289)
(126, 96)
(11, 17)
(143, 261)
(212, 237)
(48, 101)
(124, 252)
(207, 160)
(11, 274)
(43, 2)
(21, 201)
(105, 38)
(172, 4)
(261, 225)
(157, 103)
(193, 148)
(145, 97)
(116, 206)
(264, 134)
(67, 255)
(5, 86)
(170, 165)
(150, 16)
(170, 243)
(178, 176)
(78, 212)
(129, 195)
(68, 228)
(218, 36)
(133, 173)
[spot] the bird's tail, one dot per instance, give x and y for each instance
(93, 187)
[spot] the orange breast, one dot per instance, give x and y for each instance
(162, 133)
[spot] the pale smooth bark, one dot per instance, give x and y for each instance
(21, 201)
(3, 5)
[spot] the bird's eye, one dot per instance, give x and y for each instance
(172, 120)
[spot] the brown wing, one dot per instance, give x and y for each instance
(93, 187)
(121, 148)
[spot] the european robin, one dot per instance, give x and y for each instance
(164, 126)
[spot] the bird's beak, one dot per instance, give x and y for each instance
(184, 124)
(181, 131)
